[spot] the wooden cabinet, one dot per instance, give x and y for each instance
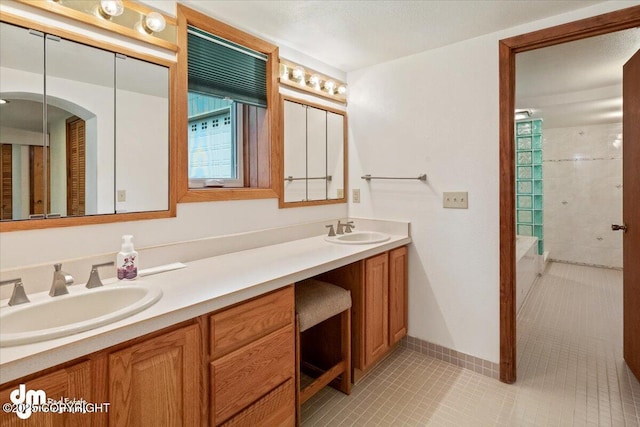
(378, 288)
(376, 308)
(71, 382)
(235, 367)
(252, 368)
(157, 382)
(398, 294)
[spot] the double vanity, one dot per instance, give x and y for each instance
(218, 346)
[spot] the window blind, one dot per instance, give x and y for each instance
(222, 68)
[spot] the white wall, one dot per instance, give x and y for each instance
(582, 171)
(437, 113)
(194, 220)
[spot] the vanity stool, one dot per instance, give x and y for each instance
(323, 337)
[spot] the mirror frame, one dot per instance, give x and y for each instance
(281, 203)
(35, 224)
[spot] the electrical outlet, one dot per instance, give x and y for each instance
(356, 195)
(455, 200)
(122, 195)
(340, 193)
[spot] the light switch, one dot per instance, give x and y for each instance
(455, 200)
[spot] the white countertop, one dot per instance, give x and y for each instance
(202, 287)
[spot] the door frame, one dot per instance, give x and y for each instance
(508, 48)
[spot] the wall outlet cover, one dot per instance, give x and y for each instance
(455, 200)
(356, 195)
(340, 193)
(122, 195)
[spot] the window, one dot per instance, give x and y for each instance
(215, 142)
(231, 106)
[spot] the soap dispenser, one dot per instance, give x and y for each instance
(127, 260)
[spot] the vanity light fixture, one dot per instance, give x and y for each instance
(110, 8)
(153, 23)
(124, 17)
(297, 77)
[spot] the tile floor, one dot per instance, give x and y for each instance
(570, 370)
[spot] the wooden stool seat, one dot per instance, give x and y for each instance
(316, 303)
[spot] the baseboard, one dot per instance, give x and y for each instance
(481, 366)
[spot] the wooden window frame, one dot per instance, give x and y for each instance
(508, 48)
(187, 16)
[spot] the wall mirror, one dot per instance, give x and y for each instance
(314, 154)
(84, 131)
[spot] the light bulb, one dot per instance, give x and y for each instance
(298, 73)
(330, 86)
(314, 81)
(111, 8)
(342, 89)
(284, 72)
(154, 23)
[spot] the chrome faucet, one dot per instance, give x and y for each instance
(349, 226)
(340, 228)
(18, 296)
(94, 278)
(60, 281)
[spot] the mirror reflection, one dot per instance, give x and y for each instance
(63, 132)
(142, 136)
(314, 148)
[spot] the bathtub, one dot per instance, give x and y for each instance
(528, 266)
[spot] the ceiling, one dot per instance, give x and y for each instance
(576, 83)
(349, 35)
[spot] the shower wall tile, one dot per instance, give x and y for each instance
(583, 194)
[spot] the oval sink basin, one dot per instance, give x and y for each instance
(76, 312)
(359, 238)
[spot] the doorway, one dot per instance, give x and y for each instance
(508, 48)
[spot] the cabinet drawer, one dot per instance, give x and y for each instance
(242, 324)
(246, 375)
(275, 409)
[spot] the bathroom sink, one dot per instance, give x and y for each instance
(76, 312)
(359, 238)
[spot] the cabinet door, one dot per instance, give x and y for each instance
(397, 294)
(72, 383)
(376, 301)
(157, 382)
